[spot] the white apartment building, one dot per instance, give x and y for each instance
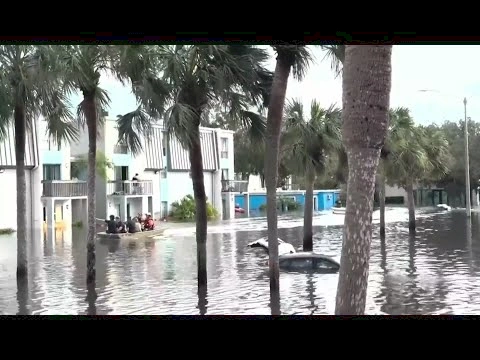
(8, 184)
(163, 170)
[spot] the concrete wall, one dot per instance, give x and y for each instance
(325, 199)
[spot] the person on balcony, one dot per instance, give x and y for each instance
(136, 187)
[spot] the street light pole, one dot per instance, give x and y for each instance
(467, 164)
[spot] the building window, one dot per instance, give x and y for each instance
(120, 148)
(224, 151)
(225, 174)
(51, 172)
(164, 143)
(52, 145)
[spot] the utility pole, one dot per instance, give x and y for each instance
(467, 165)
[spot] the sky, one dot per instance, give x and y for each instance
(446, 70)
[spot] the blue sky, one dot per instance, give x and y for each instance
(447, 69)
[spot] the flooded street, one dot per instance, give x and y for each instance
(437, 271)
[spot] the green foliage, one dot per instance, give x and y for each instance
(6, 231)
(415, 154)
(309, 142)
(184, 210)
(77, 224)
(284, 203)
(80, 166)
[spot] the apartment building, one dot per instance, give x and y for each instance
(163, 170)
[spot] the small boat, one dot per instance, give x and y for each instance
(444, 207)
(283, 247)
(138, 235)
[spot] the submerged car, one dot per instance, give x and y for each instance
(308, 261)
(283, 247)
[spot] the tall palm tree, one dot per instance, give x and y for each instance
(295, 58)
(179, 84)
(83, 66)
(400, 122)
(30, 87)
(417, 155)
(309, 142)
(366, 71)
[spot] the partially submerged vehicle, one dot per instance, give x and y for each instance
(308, 261)
(444, 207)
(283, 247)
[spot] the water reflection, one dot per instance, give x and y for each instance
(435, 271)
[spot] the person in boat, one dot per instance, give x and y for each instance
(111, 225)
(120, 226)
(149, 223)
(138, 226)
(131, 225)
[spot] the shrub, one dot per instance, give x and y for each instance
(6, 231)
(184, 210)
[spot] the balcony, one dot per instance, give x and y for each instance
(234, 186)
(130, 188)
(64, 188)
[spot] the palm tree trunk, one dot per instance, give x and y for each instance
(196, 166)
(272, 142)
(411, 207)
(91, 119)
(382, 202)
(20, 139)
(308, 214)
(367, 71)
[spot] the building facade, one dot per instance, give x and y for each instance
(163, 170)
(8, 180)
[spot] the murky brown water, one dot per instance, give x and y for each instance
(437, 271)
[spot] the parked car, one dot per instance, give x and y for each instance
(308, 261)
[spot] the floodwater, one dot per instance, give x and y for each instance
(435, 272)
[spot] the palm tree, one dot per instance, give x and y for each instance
(417, 155)
(295, 58)
(366, 71)
(400, 122)
(82, 67)
(309, 143)
(30, 87)
(181, 83)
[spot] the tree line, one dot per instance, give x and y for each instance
(183, 85)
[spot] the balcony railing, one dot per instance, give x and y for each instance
(64, 188)
(122, 188)
(234, 185)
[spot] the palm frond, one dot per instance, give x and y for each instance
(132, 128)
(298, 57)
(336, 55)
(182, 121)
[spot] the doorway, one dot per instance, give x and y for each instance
(121, 174)
(315, 206)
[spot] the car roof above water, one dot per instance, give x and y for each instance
(305, 254)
